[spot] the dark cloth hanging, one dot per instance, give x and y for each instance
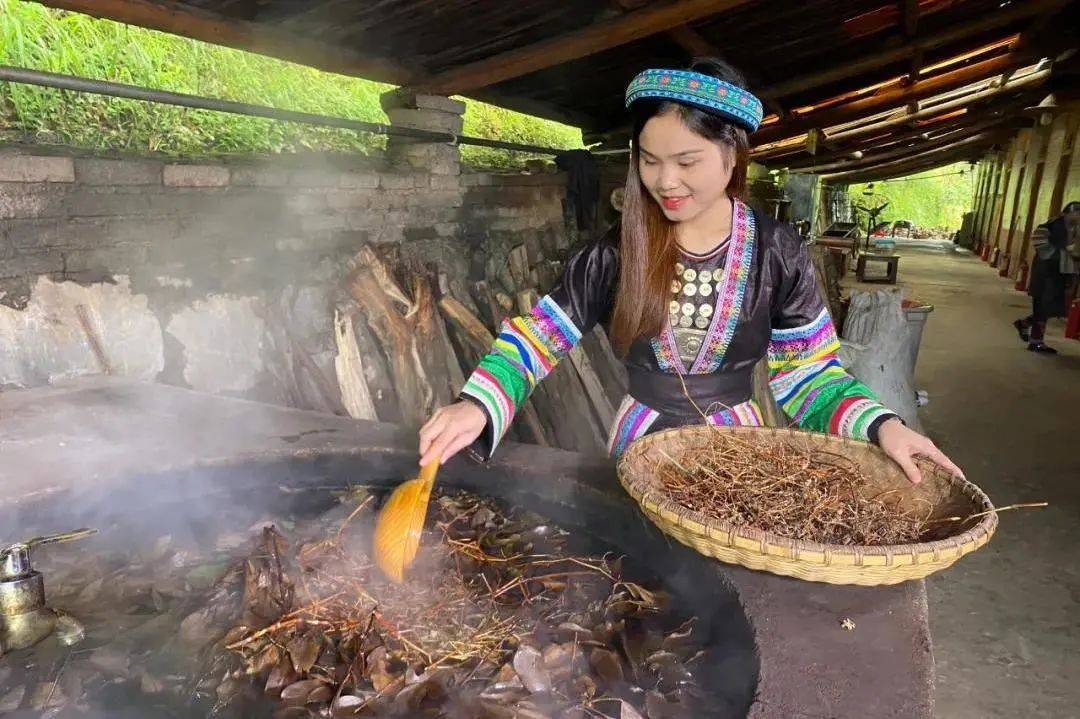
(583, 186)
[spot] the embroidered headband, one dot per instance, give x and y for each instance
(703, 91)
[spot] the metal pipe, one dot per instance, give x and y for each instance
(133, 92)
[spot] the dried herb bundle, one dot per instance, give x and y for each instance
(795, 492)
(497, 618)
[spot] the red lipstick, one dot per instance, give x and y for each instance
(672, 203)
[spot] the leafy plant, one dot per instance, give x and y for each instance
(41, 38)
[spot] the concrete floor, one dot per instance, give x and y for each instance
(1005, 621)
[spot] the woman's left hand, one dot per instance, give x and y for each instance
(902, 444)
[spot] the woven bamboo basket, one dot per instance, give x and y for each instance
(832, 563)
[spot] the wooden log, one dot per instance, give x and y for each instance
(762, 394)
(609, 368)
(587, 41)
(349, 367)
(478, 340)
(518, 263)
(567, 399)
(594, 390)
(404, 327)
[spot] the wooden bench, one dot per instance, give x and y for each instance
(892, 269)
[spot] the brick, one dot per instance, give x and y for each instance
(426, 120)
(445, 182)
(107, 259)
(318, 223)
(342, 200)
(32, 200)
(259, 177)
(314, 178)
(196, 175)
(359, 180)
(93, 171)
(35, 234)
(39, 262)
(306, 203)
(476, 179)
(36, 168)
(403, 98)
(99, 204)
(390, 181)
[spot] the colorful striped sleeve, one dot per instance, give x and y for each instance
(528, 347)
(805, 374)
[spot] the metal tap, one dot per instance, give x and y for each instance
(24, 618)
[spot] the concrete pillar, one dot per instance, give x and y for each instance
(424, 112)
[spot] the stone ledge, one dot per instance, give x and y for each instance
(196, 175)
(36, 168)
(90, 171)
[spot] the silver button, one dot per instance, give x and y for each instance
(705, 310)
(689, 275)
(673, 308)
(679, 268)
(701, 322)
(685, 321)
(689, 290)
(705, 276)
(676, 286)
(688, 308)
(705, 289)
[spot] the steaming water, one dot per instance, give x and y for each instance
(137, 588)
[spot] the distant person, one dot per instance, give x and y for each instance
(1054, 270)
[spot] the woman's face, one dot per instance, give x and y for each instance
(685, 173)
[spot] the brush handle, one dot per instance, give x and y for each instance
(428, 472)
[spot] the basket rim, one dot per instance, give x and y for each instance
(639, 486)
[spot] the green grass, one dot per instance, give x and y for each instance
(935, 198)
(41, 38)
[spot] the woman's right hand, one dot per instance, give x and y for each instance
(450, 430)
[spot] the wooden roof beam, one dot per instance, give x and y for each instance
(873, 159)
(592, 39)
(909, 22)
(890, 98)
(960, 146)
(875, 61)
(1030, 80)
(198, 24)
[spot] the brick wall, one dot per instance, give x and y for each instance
(240, 244)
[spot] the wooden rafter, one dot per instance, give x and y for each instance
(892, 98)
(875, 61)
(589, 40)
(909, 22)
(198, 24)
(941, 141)
(966, 145)
(1027, 81)
(888, 139)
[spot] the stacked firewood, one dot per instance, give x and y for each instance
(406, 343)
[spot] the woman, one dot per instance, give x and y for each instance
(1053, 271)
(693, 290)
